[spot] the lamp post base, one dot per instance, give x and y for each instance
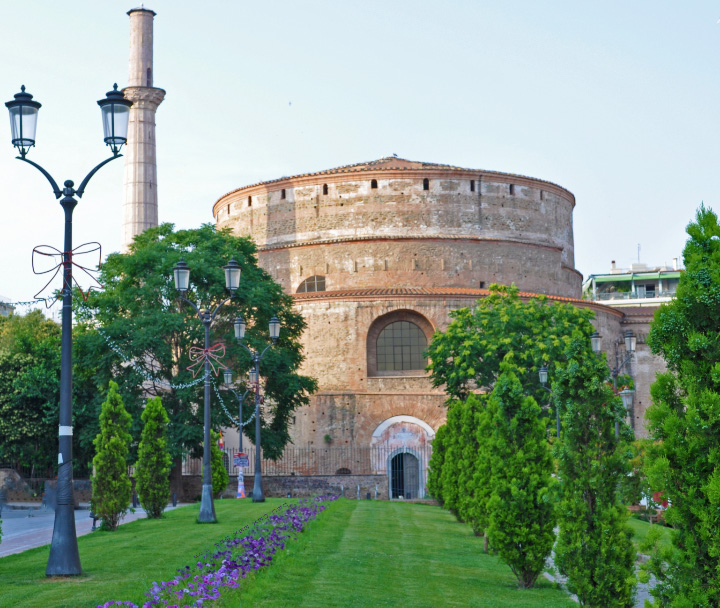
(207, 506)
(258, 495)
(64, 556)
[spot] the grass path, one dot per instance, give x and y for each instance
(367, 554)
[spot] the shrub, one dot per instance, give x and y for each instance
(152, 474)
(111, 487)
(220, 477)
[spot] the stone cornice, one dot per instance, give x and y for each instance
(354, 239)
(146, 96)
(434, 293)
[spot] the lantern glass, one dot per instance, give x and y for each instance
(253, 375)
(239, 326)
(182, 276)
(596, 342)
(627, 397)
(543, 373)
(227, 376)
(232, 275)
(630, 341)
(274, 328)
(23, 120)
(115, 111)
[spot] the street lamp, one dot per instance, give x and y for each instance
(254, 376)
(227, 376)
(543, 376)
(64, 557)
(181, 275)
(627, 394)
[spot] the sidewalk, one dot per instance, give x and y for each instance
(29, 525)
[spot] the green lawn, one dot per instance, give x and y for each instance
(640, 529)
(122, 565)
(357, 553)
(368, 553)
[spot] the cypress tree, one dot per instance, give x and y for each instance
(220, 477)
(152, 473)
(435, 465)
(594, 548)
(111, 487)
(521, 515)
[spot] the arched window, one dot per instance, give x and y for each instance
(426, 184)
(314, 283)
(249, 201)
(325, 189)
(373, 183)
(282, 193)
(343, 471)
(400, 347)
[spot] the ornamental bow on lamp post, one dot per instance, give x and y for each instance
(181, 276)
(254, 377)
(64, 557)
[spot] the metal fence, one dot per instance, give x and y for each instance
(375, 460)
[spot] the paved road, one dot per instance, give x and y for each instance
(24, 529)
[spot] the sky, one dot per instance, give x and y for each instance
(615, 101)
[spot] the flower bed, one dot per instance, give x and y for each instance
(245, 551)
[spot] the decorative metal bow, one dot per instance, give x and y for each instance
(46, 259)
(212, 355)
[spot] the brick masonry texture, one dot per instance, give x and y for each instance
(401, 240)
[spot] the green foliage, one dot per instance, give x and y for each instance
(436, 463)
(684, 423)
(152, 472)
(140, 312)
(468, 354)
(520, 513)
(634, 488)
(111, 485)
(29, 390)
(220, 477)
(594, 547)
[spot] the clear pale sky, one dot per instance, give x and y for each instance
(616, 101)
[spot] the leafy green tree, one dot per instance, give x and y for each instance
(29, 390)
(594, 547)
(111, 487)
(683, 462)
(220, 477)
(140, 315)
(152, 472)
(521, 513)
(468, 354)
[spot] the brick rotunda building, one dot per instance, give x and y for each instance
(376, 255)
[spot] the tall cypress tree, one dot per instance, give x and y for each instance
(684, 424)
(152, 473)
(111, 487)
(220, 477)
(594, 548)
(521, 513)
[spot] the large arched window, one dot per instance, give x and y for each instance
(400, 347)
(313, 283)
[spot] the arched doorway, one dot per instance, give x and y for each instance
(404, 476)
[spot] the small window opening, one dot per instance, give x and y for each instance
(426, 184)
(282, 193)
(512, 188)
(325, 189)
(343, 471)
(373, 183)
(472, 185)
(228, 209)
(249, 201)
(482, 284)
(542, 195)
(149, 77)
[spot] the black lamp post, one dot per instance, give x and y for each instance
(181, 274)
(256, 356)
(227, 375)
(626, 394)
(64, 557)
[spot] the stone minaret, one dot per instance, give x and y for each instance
(141, 207)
